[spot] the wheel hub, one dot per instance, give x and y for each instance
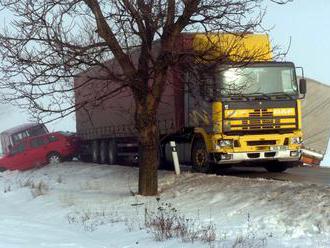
(54, 160)
(200, 158)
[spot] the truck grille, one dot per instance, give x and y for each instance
(261, 142)
(259, 119)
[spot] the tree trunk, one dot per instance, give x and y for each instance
(148, 150)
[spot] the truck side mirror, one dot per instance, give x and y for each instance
(302, 86)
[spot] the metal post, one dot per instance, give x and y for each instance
(175, 158)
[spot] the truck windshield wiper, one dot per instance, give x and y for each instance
(236, 97)
(258, 94)
(239, 97)
(281, 93)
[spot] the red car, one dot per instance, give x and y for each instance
(36, 151)
(14, 135)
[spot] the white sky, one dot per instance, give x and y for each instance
(307, 23)
(12, 116)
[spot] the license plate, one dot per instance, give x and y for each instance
(278, 148)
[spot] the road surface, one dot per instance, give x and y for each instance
(315, 175)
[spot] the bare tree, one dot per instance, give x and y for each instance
(47, 43)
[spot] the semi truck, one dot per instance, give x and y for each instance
(245, 109)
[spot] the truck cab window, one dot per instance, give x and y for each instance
(258, 79)
(288, 80)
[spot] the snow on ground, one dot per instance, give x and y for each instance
(87, 205)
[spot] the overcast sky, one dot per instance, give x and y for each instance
(307, 23)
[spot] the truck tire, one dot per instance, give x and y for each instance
(112, 152)
(103, 152)
(200, 158)
(276, 166)
(95, 152)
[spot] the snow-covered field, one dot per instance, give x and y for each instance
(87, 205)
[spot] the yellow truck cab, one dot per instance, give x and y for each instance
(256, 109)
(257, 115)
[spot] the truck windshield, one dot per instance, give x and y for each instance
(254, 80)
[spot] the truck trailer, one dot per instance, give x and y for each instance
(241, 111)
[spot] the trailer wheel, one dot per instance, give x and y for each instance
(276, 167)
(85, 158)
(95, 152)
(103, 152)
(112, 152)
(199, 157)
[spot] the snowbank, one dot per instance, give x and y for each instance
(87, 205)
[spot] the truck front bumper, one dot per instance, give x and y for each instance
(239, 157)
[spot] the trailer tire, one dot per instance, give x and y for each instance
(112, 152)
(200, 158)
(276, 167)
(103, 152)
(95, 152)
(86, 158)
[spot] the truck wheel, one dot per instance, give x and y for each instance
(112, 152)
(54, 158)
(199, 157)
(103, 152)
(95, 152)
(276, 167)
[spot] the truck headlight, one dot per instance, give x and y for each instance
(225, 143)
(296, 140)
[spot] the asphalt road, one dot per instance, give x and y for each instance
(315, 175)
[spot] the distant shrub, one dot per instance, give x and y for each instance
(166, 223)
(59, 179)
(91, 220)
(250, 239)
(7, 189)
(38, 189)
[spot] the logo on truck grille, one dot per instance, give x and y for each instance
(257, 119)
